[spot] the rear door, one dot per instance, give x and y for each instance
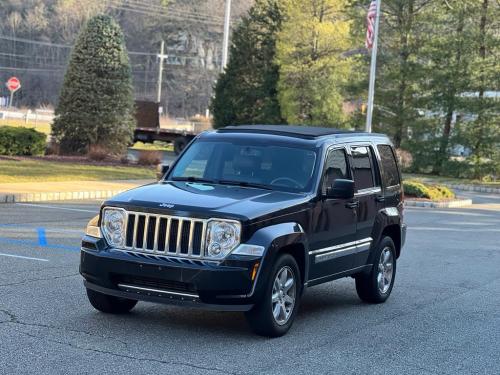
(391, 179)
(333, 223)
(368, 195)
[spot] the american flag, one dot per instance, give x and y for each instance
(370, 24)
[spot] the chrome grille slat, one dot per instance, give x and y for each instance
(179, 237)
(145, 234)
(157, 228)
(156, 240)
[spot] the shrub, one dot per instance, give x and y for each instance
(19, 141)
(149, 157)
(433, 192)
(97, 153)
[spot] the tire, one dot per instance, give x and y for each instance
(370, 287)
(179, 144)
(110, 304)
(261, 318)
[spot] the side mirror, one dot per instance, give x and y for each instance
(341, 189)
(161, 169)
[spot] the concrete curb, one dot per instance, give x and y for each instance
(477, 188)
(447, 204)
(58, 196)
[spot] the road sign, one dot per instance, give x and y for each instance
(13, 84)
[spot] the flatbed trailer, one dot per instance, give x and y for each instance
(179, 138)
(149, 130)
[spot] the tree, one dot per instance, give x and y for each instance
(245, 92)
(96, 104)
(313, 65)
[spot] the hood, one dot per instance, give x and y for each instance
(207, 200)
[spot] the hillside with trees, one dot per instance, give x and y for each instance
(36, 38)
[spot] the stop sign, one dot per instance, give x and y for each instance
(13, 84)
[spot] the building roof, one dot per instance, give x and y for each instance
(308, 132)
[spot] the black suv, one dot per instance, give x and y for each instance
(246, 218)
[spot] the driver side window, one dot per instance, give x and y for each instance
(335, 168)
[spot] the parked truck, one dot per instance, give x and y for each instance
(150, 127)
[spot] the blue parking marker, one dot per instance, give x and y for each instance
(42, 238)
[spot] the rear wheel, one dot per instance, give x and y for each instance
(274, 314)
(110, 304)
(376, 286)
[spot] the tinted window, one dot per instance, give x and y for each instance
(335, 168)
(363, 176)
(390, 174)
(278, 167)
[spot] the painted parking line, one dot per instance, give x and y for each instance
(475, 230)
(14, 241)
(42, 238)
(57, 207)
(23, 257)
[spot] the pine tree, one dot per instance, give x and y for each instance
(314, 68)
(96, 103)
(245, 92)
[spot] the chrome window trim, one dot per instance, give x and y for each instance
(368, 191)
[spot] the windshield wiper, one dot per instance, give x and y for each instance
(244, 184)
(193, 179)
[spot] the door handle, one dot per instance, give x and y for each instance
(353, 204)
(380, 198)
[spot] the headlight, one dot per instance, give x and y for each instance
(93, 229)
(222, 237)
(113, 226)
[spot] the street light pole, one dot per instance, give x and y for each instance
(162, 57)
(225, 40)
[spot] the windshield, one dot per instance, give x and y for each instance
(249, 164)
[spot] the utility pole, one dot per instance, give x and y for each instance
(162, 57)
(225, 40)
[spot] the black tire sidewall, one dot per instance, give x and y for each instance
(385, 242)
(261, 316)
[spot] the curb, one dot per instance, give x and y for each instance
(447, 204)
(58, 196)
(478, 188)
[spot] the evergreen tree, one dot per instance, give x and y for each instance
(245, 92)
(96, 103)
(314, 68)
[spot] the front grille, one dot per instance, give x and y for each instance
(165, 235)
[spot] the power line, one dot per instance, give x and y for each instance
(148, 12)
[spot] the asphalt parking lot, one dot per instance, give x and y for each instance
(442, 318)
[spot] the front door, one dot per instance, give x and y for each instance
(334, 223)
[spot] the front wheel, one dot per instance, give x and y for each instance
(110, 304)
(376, 286)
(274, 314)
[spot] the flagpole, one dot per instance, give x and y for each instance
(373, 68)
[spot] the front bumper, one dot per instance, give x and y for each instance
(211, 285)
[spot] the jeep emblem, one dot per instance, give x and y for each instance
(166, 205)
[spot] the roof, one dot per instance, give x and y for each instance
(308, 132)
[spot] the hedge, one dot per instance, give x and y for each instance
(19, 141)
(420, 190)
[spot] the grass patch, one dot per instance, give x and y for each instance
(41, 170)
(43, 127)
(155, 146)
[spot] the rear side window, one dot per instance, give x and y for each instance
(363, 175)
(390, 174)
